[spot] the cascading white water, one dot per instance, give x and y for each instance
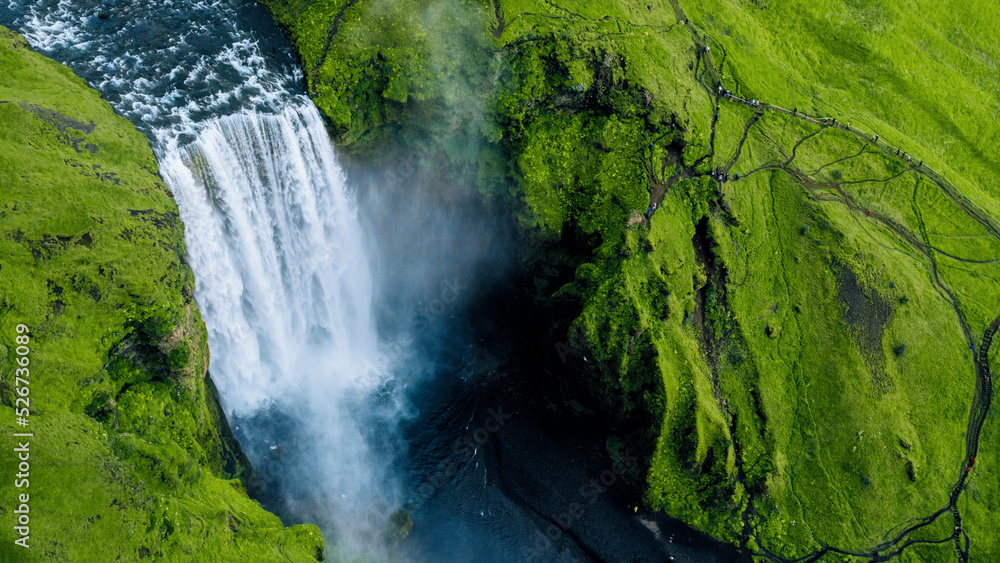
(283, 280)
(285, 288)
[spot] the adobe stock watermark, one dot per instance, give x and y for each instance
(572, 346)
(406, 166)
(462, 450)
(588, 493)
(443, 303)
(22, 453)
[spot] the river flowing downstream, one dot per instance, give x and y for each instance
(347, 409)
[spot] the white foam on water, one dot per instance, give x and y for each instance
(218, 79)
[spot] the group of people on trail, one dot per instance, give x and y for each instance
(723, 176)
(899, 152)
(725, 93)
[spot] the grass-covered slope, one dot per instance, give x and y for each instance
(921, 74)
(791, 349)
(131, 457)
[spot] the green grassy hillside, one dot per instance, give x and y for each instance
(792, 346)
(131, 457)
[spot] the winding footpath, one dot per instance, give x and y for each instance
(983, 394)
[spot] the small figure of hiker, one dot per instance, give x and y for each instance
(875, 138)
(921, 164)
(737, 176)
(706, 48)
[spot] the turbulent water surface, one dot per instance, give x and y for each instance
(346, 419)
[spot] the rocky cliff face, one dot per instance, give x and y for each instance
(131, 456)
(786, 334)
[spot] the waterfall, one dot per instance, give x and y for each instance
(274, 239)
(285, 288)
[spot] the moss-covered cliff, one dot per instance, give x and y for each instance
(130, 455)
(790, 346)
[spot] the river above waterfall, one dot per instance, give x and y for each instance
(359, 386)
